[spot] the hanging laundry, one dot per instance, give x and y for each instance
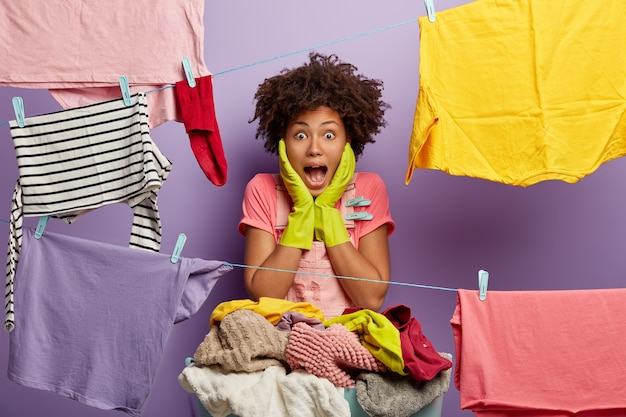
(95, 318)
(521, 91)
(198, 115)
(75, 161)
(541, 353)
(97, 43)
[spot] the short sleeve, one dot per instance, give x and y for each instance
(259, 204)
(372, 187)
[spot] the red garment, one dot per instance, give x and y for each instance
(421, 359)
(198, 113)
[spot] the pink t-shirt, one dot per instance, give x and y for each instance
(259, 205)
(264, 207)
(78, 49)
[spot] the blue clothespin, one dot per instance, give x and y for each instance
(189, 72)
(125, 87)
(483, 282)
(430, 10)
(41, 226)
(358, 202)
(359, 215)
(18, 106)
(178, 248)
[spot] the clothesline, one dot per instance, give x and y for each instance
(277, 57)
(407, 284)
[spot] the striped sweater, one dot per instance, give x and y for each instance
(74, 161)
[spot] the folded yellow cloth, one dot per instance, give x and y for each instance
(270, 308)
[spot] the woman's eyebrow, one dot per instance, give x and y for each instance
(326, 123)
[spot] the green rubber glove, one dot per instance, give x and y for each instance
(300, 222)
(329, 225)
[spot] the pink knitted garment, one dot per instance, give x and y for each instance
(330, 353)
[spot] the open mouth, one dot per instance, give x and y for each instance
(316, 174)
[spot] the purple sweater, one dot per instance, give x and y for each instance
(94, 318)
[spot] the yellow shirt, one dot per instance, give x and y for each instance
(521, 91)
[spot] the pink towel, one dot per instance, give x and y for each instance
(541, 353)
(332, 353)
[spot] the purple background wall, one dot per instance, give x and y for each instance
(552, 235)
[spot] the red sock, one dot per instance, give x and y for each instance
(198, 113)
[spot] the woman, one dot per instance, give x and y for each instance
(318, 118)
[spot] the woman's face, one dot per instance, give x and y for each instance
(315, 141)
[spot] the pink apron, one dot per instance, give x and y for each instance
(315, 282)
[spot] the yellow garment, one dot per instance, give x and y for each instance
(270, 308)
(521, 91)
(377, 334)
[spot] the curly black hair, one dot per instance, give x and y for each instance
(324, 81)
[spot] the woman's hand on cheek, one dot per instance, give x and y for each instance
(300, 223)
(329, 225)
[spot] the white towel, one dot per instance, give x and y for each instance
(271, 392)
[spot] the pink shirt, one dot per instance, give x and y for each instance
(541, 353)
(259, 205)
(78, 49)
(315, 282)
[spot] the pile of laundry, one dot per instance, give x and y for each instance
(285, 358)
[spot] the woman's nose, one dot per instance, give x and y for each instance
(314, 147)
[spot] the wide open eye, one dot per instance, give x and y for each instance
(329, 135)
(300, 135)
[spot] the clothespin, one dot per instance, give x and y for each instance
(483, 282)
(124, 86)
(18, 106)
(41, 226)
(430, 10)
(188, 72)
(358, 202)
(359, 215)
(178, 248)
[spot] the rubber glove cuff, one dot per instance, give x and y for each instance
(297, 233)
(329, 226)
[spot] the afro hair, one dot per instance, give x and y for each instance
(323, 81)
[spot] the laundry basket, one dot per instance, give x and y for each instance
(431, 410)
